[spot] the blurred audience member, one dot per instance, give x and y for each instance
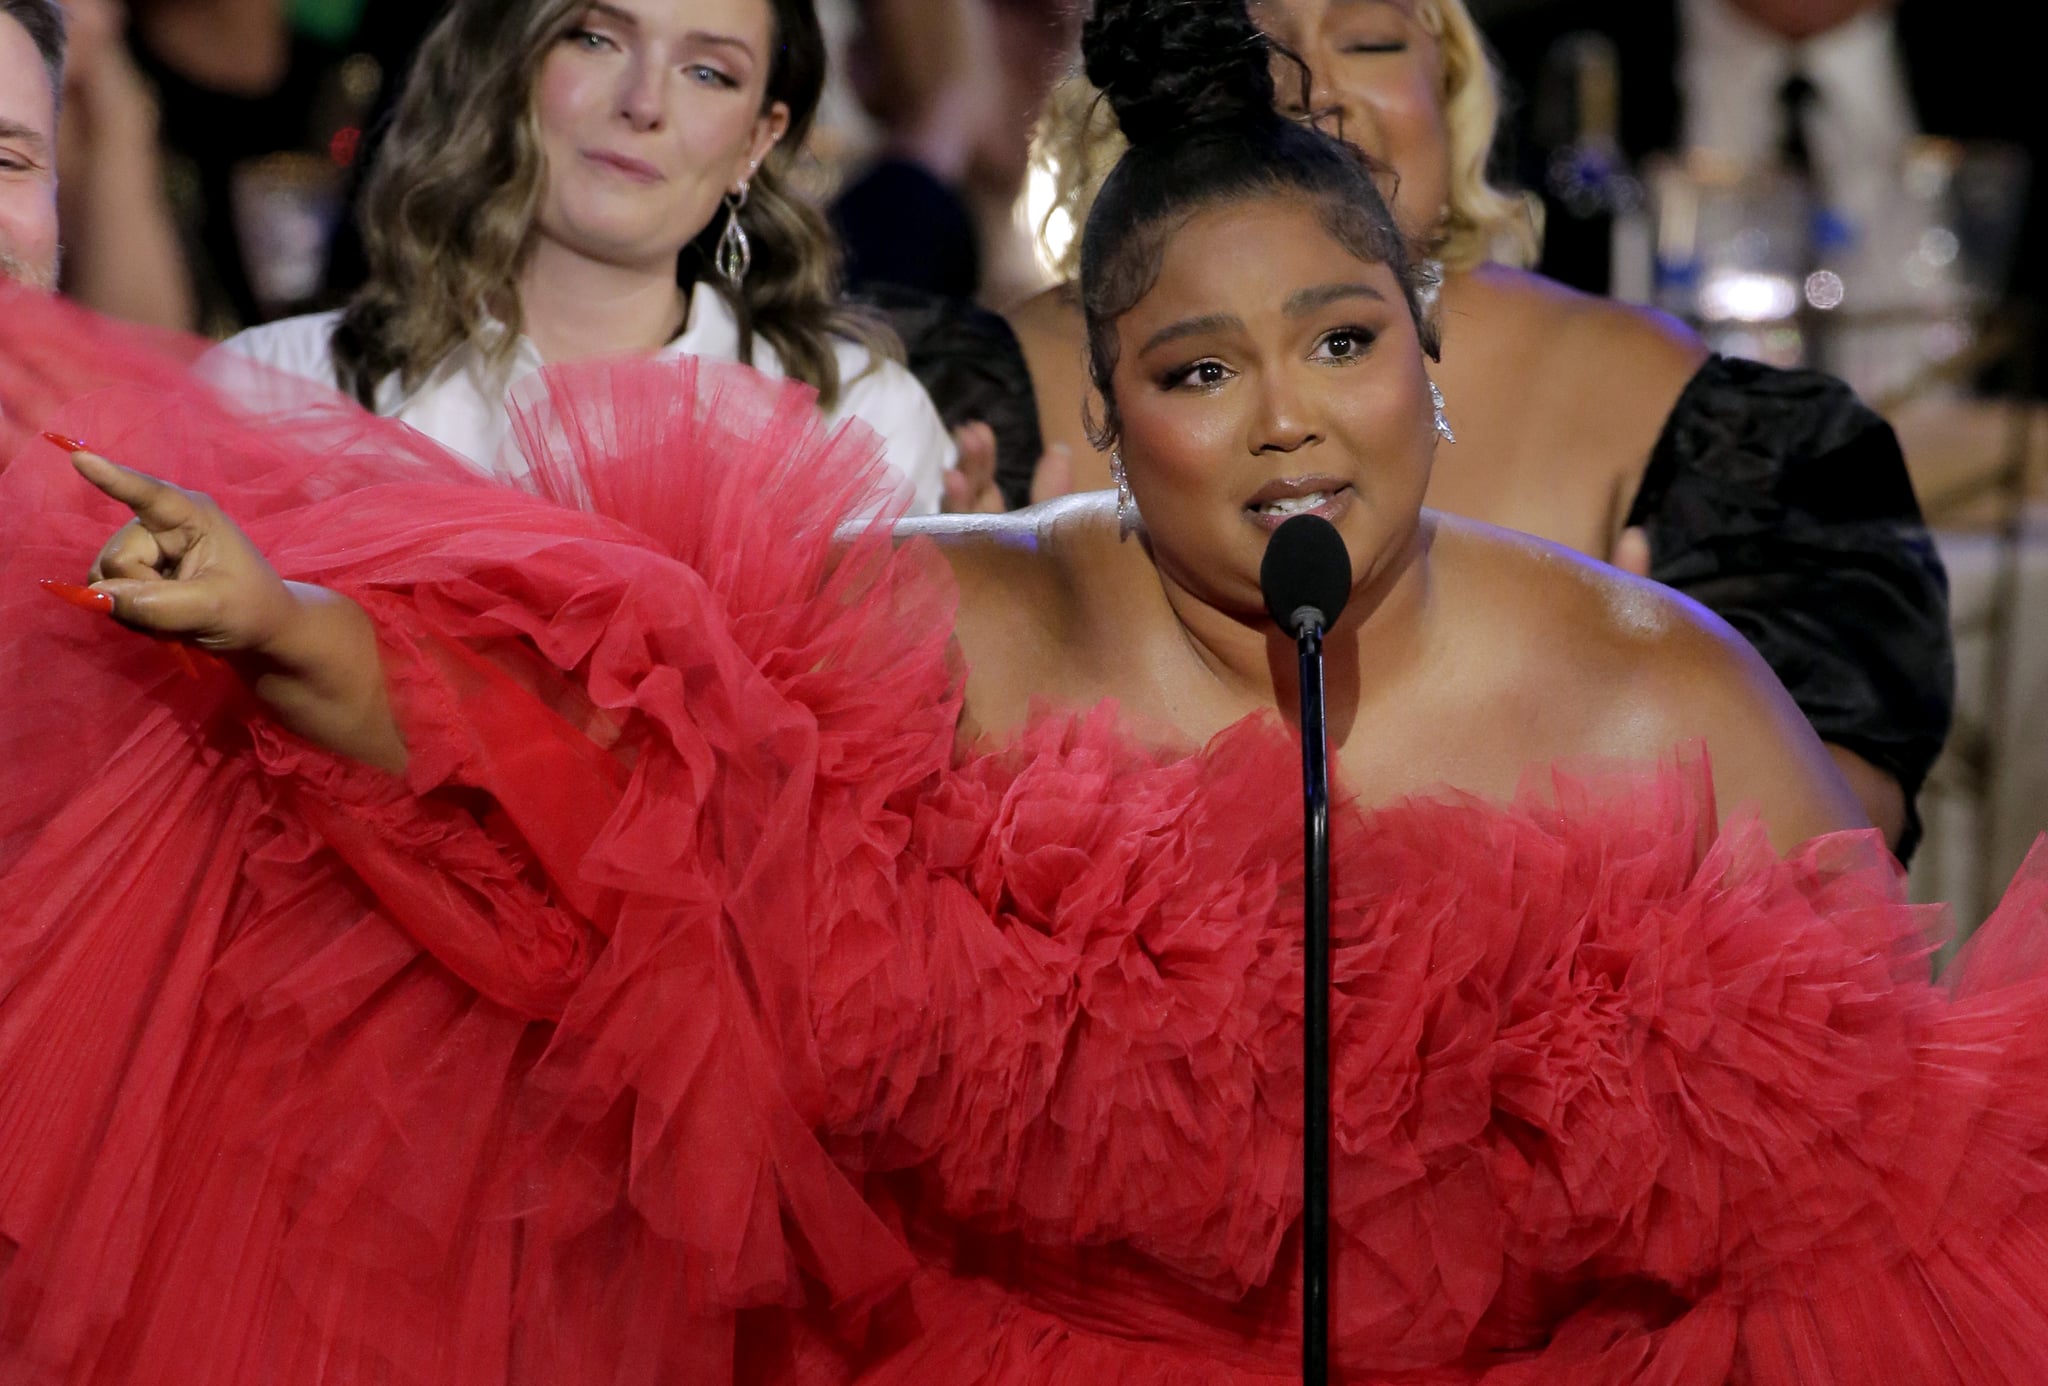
(923, 70)
(388, 33)
(122, 252)
(564, 180)
(31, 75)
(969, 361)
(1838, 89)
(957, 86)
(258, 123)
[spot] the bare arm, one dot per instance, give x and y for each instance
(1049, 329)
(181, 569)
(123, 256)
(1707, 683)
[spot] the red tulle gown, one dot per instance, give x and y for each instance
(693, 1010)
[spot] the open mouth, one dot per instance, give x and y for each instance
(1294, 505)
(1283, 500)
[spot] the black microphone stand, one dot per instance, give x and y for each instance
(1315, 1015)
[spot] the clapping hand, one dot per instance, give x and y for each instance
(1632, 552)
(971, 486)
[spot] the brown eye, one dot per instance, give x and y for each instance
(1344, 344)
(1197, 375)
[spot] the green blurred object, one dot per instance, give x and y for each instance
(331, 21)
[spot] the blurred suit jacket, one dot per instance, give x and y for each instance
(1970, 75)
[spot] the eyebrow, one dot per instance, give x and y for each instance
(1191, 327)
(1322, 295)
(1300, 302)
(704, 36)
(26, 134)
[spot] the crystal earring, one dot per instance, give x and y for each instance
(1443, 425)
(1126, 503)
(735, 251)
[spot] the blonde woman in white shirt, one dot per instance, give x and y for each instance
(574, 178)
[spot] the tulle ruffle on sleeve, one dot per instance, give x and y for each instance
(475, 1074)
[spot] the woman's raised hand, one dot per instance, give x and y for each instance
(181, 568)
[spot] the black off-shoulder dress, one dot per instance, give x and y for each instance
(1780, 501)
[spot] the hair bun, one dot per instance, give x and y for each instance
(1166, 66)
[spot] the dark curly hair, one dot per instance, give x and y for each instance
(1192, 84)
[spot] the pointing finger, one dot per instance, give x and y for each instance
(160, 506)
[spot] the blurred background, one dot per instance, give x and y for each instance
(1848, 184)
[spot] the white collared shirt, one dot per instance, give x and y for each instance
(461, 404)
(1857, 128)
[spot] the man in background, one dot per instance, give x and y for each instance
(1836, 89)
(31, 75)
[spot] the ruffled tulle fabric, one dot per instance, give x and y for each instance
(695, 1009)
(312, 1074)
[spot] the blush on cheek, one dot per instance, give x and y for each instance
(561, 95)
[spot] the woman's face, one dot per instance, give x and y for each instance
(1373, 65)
(1254, 386)
(650, 112)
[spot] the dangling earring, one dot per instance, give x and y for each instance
(1429, 287)
(1126, 503)
(1443, 425)
(735, 251)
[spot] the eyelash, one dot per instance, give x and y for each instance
(1180, 377)
(1361, 338)
(1368, 49)
(591, 41)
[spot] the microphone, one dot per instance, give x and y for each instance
(1306, 574)
(1306, 579)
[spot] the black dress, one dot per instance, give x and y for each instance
(1780, 502)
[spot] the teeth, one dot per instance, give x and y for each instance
(1293, 505)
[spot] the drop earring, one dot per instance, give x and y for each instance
(1443, 425)
(1126, 503)
(735, 251)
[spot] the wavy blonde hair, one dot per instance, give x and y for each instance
(448, 212)
(1077, 145)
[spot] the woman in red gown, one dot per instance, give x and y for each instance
(646, 929)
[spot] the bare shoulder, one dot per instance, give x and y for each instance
(1049, 320)
(1563, 397)
(1589, 338)
(1023, 579)
(1053, 335)
(1630, 668)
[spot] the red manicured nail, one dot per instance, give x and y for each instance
(82, 597)
(68, 444)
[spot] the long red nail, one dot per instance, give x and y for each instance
(68, 444)
(82, 597)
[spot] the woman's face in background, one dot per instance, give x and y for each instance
(1377, 72)
(1252, 387)
(650, 113)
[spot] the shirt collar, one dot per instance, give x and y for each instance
(1839, 57)
(712, 331)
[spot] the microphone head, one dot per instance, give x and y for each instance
(1306, 573)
